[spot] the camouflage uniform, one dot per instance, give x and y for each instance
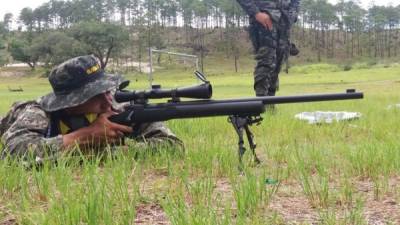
(271, 46)
(28, 129)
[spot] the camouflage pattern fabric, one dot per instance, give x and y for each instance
(5, 122)
(275, 8)
(155, 136)
(27, 127)
(271, 46)
(75, 81)
(26, 133)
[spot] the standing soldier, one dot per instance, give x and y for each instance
(270, 23)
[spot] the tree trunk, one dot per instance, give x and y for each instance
(31, 65)
(370, 43)
(318, 43)
(303, 33)
(397, 42)
(359, 47)
(376, 43)
(333, 44)
(352, 44)
(389, 42)
(236, 63)
(123, 13)
(346, 43)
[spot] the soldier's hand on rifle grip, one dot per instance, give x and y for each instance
(101, 131)
(103, 127)
(264, 19)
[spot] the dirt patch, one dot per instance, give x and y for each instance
(290, 203)
(8, 74)
(383, 208)
(295, 208)
(150, 214)
(15, 70)
(143, 67)
(6, 217)
(385, 211)
(223, 189)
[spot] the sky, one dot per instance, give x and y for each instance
(366, 3)
(15, 6)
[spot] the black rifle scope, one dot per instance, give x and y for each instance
(202, 91)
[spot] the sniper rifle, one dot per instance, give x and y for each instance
(242, 112)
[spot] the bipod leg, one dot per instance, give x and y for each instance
(241, 149)
(238, 123)
(242, 123)
(252, 144)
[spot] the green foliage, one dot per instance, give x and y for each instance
(3, 53)
(3, 29)
(337, 32)
(365, 65)
(154, 39)
(55, 47)
(347, 67)
(100, 39)
(3, 59)
(7, 21)
(27, 18)
(20, 50)
(315, 68)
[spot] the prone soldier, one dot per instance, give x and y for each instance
(74, 115)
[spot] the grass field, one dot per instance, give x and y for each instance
(342, 173)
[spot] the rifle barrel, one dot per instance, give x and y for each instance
(298, 98)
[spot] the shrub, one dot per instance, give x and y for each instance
(347, 67)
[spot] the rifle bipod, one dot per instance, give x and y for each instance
(241, 123)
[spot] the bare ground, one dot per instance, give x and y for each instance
(382, 209)
(8, 74)
(6, 217)
(290, 202)
(294, 207)
(151, 213)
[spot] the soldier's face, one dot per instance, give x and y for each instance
(101, 103)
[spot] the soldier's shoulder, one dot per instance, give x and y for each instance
(21, 110)
(30, 107)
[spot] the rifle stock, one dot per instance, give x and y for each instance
(135, 114)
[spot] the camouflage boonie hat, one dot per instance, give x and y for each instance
(76, 81)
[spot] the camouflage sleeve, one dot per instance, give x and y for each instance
(249, 6)
(154, 136)
(294, 8)
(26, 137)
